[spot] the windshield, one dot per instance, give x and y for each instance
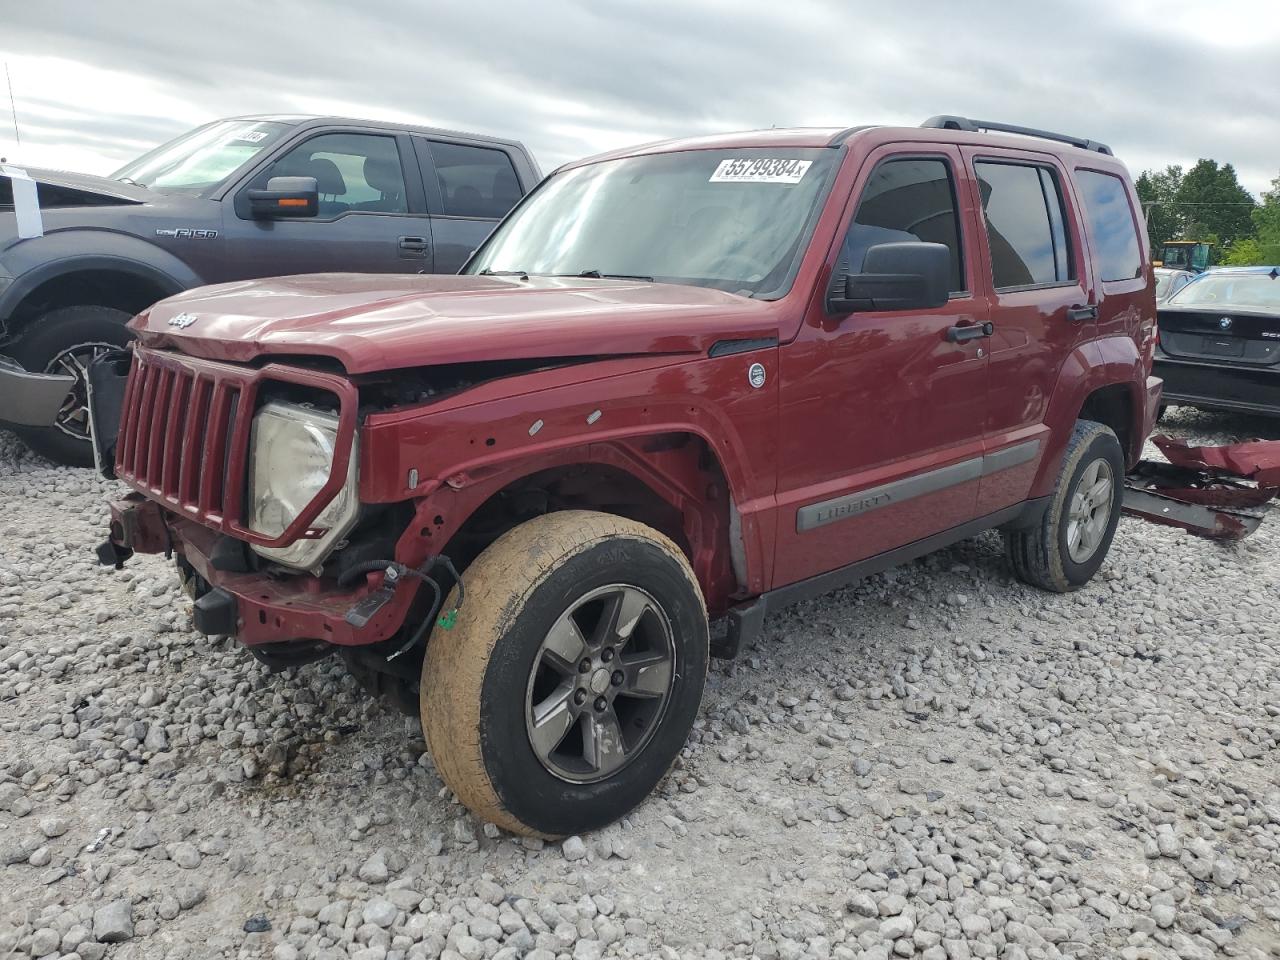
(202, 158)
(1249, 291)
(732, 219)
(1163, 280)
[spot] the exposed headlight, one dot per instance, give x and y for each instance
(291, 455)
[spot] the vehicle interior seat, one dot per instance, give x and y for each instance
(383, 175)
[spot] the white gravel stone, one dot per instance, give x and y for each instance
(185, 855)
(45, 941)
(380, 912)
(113, 922)
(54, 826)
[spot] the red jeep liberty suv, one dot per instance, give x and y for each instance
(691, 380)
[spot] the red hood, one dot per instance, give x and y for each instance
(373, 322)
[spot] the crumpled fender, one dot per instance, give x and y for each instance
(461, 449)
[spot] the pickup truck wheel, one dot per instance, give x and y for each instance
(572, 675)
(1065, 549)
(66, 341)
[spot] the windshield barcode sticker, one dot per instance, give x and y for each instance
(745, 170)
(253, 136)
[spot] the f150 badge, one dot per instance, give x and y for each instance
(183, 320)
(187, 233)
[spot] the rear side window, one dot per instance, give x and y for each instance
(1115, 232)
(1025, 225)
(909, 199)
(475, 181)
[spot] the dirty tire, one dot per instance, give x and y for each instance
(476, 676)
(46, 338)
(1039, 555)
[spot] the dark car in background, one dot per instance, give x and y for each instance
(1219, 346)
(235, 199)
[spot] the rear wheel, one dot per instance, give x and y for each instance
(1066, 548)
(66, 341)
(572, 675)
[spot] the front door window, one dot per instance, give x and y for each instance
(355, 172)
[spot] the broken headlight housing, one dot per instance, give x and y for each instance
(290, 459)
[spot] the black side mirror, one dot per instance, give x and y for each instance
(286, 197)
(895, 276)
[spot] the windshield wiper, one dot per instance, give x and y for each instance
(522, 274)
(597, 275)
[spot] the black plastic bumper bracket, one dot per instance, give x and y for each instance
(111, 554)
(215, 613)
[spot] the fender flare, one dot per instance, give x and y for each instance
(1121, 362)
(1106, 362)
(38, 261)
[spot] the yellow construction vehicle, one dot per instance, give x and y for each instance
(1193, 255)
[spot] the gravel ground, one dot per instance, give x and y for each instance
(938, 762)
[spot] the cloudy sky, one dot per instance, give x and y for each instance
(97, 82)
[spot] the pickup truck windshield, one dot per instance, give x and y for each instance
(202, 158)
(734, 219)
(1250, 291)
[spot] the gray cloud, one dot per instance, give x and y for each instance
(575, 77)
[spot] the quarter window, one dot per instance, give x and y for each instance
(475, 181)
(1026, 225)
(1115, 232)
(908, 199)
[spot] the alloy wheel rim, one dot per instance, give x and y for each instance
(73, 416)
(600, 684)
(1090, 511)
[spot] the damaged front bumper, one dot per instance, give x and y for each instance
(255, 606)
(30, 399)
(1222, 493)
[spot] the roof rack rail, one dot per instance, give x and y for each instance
(974, 126)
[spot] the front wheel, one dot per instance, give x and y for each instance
(1065, 549)
(572, 675)
(66, 341)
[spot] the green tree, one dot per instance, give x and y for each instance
(1211, 198)
(1266, 225)
(1244, 253)
(1158, 191)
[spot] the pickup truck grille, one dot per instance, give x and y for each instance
(174, 432)
(184, 436)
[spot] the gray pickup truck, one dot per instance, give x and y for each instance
(232, 200)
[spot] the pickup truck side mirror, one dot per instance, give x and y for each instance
(285, 197)
(895, 276)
